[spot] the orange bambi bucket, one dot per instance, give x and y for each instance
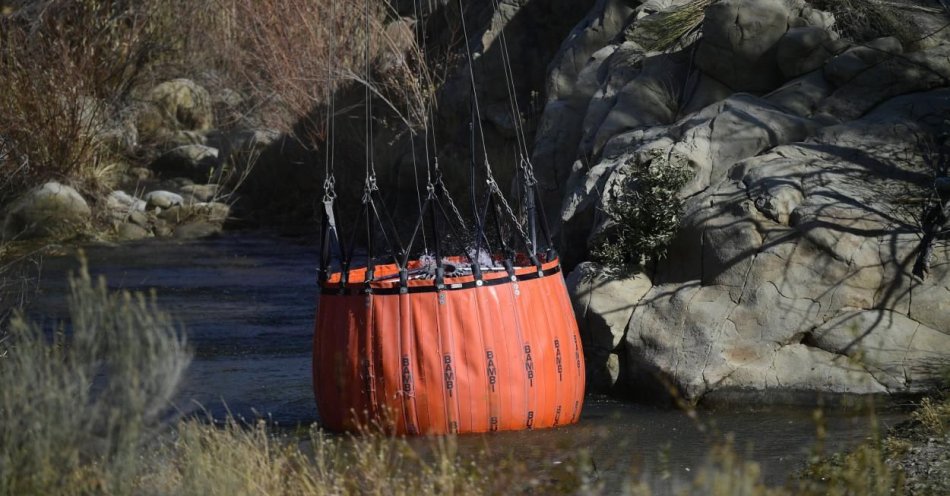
(500, 354)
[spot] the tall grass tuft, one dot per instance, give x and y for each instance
(865, 20)
(78, 404)
(665, 30)
(237, 459)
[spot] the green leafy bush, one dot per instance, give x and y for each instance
(643, 213)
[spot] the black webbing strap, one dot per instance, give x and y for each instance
(532, 219)
(329, 230)
(348, 262)
(551, 253)
(436, 243)
(368, 207)
(370, 212)
(387, 227)
(533, 207)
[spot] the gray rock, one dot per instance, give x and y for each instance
(603, 309)
(242, 142)
(790, 241)
(163, 199)
(738, 45)
(139, 174)
(803, 95)
(802, 50)
(175, 214)
(195, 162)
(50, 210)
(789, 270)
(162, 228)
(901, 353)
(892, 76)
(704, 141)
(704, 91)
(843, 68)
(650, 99)
(174, 139)
(132, 232)
(574, 78)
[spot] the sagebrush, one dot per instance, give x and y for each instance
(80, 401)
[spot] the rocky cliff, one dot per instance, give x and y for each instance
(815, 134)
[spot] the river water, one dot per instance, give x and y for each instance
(247, 302)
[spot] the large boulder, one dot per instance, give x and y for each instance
(884, 75)
(739, 43)
(602, 304)
(802, 50)
(576, 74)
(50, 210)
(790, 269)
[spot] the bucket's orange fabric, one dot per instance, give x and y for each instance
(504, 355)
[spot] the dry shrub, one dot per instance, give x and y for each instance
(865, 20)
(50, 121)
(298, 52)
(64, 67)
(78, 406)
(68, 67)
(667, 29)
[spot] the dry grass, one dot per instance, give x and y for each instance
(666, 30)
(865, 20)
(238, 460)
(81, 412)
(934, 416)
